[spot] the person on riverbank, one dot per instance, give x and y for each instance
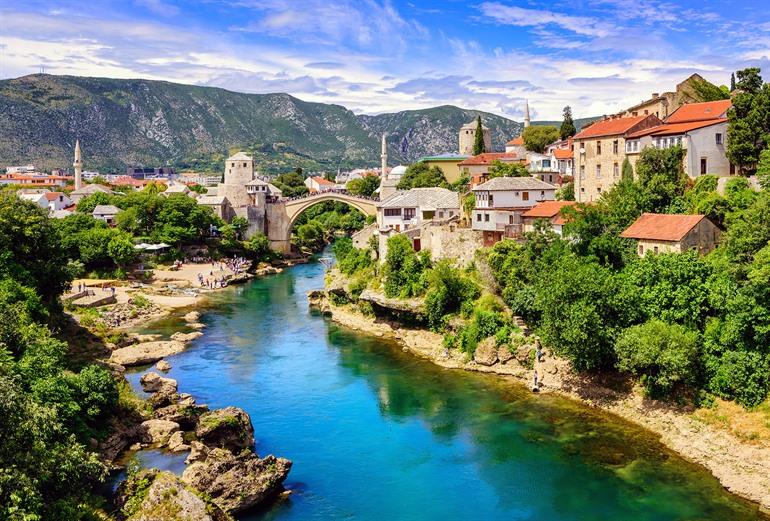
(535, 383)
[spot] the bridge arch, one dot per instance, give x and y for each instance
(283, 215)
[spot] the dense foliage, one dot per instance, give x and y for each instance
(537, 137)
(317, 225)
(478, 138)
(747, 134)
(421, 175)
(567, 129)
(49, 409)
(500, 169)
(365, 186)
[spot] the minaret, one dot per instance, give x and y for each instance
(384, 157)
(526, 113)
(78, 164)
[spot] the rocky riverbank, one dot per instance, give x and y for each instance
(741, 466)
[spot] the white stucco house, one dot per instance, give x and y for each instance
(501, 201)
(407, 209)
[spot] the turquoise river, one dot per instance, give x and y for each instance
(376, 434)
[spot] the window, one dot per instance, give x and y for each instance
(703, 166)
(718, 138)
(491, 200)
(598, 148)
(583, 190)
(390, 212)
(615, 170)
(582, 172)
(409, 213)
(232, 165)
(655, 250)
(486, 217)
(641, 250)
(510, 219)
(525, 196)
(244, 165)
(478, 217)
(615, 147)
(599, 189)
(542, 193)
(598, 171)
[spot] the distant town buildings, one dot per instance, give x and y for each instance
(106, 213)
(410, 208)
(448, 163)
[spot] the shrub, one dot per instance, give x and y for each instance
(741, 376)
(662, 355)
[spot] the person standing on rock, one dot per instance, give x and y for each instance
(535, 385)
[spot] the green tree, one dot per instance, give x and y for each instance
(87, 204)
(448, 289)
(661, 177)
(404, 268)
(365, 186)
(662, 355)
(420, 175)
(732, 82)
(30, 248)
(537, 137)
(567, 128)
(500, 169)
(627, 170)
(291, 184)
(566, 192)
(478, 139)
(749, 118)
(258, 247)
(763, 169)
(121, 249)
(310, 236)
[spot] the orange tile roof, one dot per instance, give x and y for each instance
(517, 141)
(488, 157)
(700, 111)
(563, 153)
(610, 127)
(321, 180)
(547, 208)
(662, 227)
(673, 129)
(52, 196)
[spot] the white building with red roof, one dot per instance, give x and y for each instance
(700, 129)
(319, 184)
(550, 212)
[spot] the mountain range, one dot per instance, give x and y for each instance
(153, 123)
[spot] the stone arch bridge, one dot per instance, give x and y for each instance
(282, 215)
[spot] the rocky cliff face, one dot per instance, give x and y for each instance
(152, 123)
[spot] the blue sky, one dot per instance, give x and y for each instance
(376, 56)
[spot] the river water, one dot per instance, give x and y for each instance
(376, 434)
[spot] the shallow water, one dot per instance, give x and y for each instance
(375, 433)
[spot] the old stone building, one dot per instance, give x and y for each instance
(670, 233)
(467, 137)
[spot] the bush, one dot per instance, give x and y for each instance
(741, 376)
(404, 268)
(662, 355)
(448, 289)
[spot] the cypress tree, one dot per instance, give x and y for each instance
(478, 144)
(627, 171)
(732, 82)
(568, 125)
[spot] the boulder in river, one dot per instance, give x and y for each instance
(192, 316)
(164, 366)
(186, 337)
(153, 382)
(186, 415)
(146, 352)
(504, 354)
(486, 352)
(235, 482)
(151, 495)
(176, 442)
(158, 432)
(229, 428)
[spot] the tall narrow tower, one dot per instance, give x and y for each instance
(526, 113)
(78, 164)
(384, 158)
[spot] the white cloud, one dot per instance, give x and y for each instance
(522, 17)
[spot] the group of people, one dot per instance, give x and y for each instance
(538, 359)
(236, 265)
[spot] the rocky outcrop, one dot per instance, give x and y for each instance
(186, 337)
(176, 442)
(153, 382)
(163, 366)
(158, 432)
(504, 354)
(235, 482)
(192, 316)
(486, 352)
(152, 495)
(185, 414)
(145, 352)
(228, 428)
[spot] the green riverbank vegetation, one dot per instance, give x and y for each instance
(54, 407)
(689, 328)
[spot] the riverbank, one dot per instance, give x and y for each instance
(742, 467)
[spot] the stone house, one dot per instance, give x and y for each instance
(668, 233)
(319, 184)
(106, 213)
(547, 211)
(477, 167)
(219, 204)
(599, 153)
(467, 138)
(407, 209)
(500, 203)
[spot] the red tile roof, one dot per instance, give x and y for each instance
(610, 127)
(517, 141)
(700, 111)
(675, 128)
(321, 180)
(563, 153)
(52, 196)
(488, 157)
(547, 209)
(662, 227)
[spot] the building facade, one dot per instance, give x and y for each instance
(500, 203)
(672, 233)
(411, 208)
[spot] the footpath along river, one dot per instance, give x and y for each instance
(376, 434)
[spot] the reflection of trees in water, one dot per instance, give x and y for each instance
(554, 443)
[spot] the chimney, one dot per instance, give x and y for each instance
(655, 94)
